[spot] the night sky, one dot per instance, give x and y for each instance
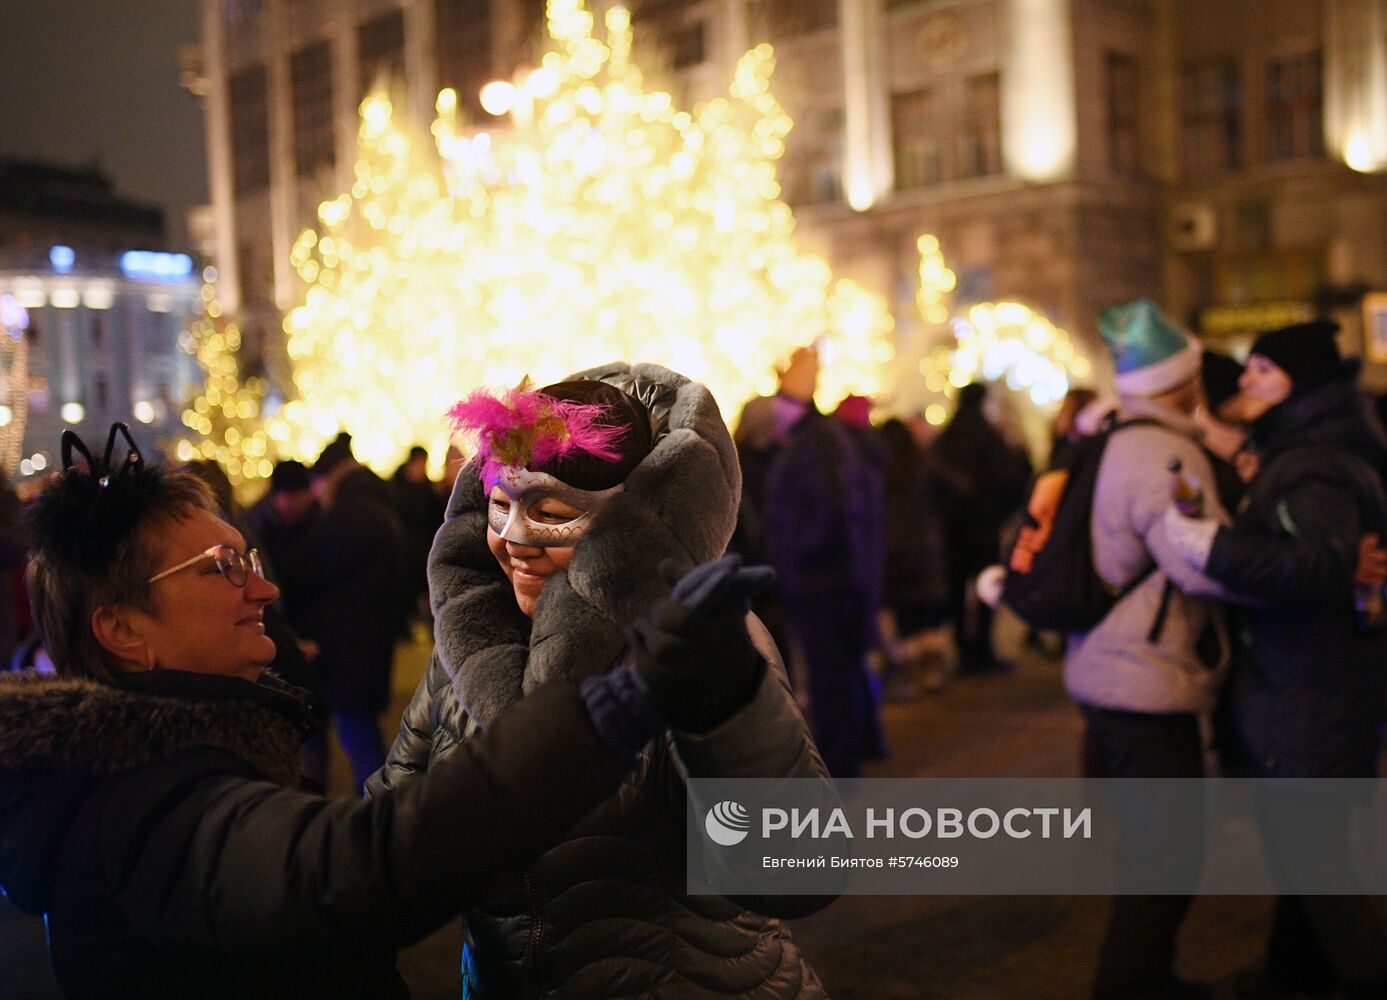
(97, 80)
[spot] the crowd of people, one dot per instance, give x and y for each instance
(592, 643)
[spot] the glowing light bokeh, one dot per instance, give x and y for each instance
(1001, 342)
(14, 381)
(226, 414)
(604, 224)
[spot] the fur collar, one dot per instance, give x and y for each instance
(680, 503)
(68, 726)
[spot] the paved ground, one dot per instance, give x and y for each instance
(883, 948)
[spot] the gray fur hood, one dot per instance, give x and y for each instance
(680, 503)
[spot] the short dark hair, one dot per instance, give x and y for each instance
(69, 580)
(623, 410)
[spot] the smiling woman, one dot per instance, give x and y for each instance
(559, 540)
(147, 807)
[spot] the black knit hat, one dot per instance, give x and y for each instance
(1220, 375)
(1307, 352)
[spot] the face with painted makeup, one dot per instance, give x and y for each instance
(533, 523)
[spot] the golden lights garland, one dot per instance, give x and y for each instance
(603, 224)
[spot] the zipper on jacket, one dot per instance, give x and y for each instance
(536, 932)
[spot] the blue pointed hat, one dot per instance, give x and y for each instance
(1151, 355)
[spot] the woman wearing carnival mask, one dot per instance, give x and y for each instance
(146, 800)
(583, 501)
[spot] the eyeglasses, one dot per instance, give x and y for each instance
(231, 564)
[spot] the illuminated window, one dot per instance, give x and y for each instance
(1124, 148)
(1294, 109)
(310, 83)
(915, 139)
(785, 18)
(381, 49)
(980, 139)
(1211, 105)
(463, 38)
(250, 131)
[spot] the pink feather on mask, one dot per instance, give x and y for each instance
(521, 427)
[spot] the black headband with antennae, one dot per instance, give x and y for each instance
(84, 515)
(133, 458)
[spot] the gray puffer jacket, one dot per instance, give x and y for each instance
(605, 913)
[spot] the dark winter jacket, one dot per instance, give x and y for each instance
(1308, 689)
(824, 513)
(153, 826)
(605, 914)
(917, 571)
(989, 476)
(352, 571)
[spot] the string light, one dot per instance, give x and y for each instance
(226, 416)
(14, 375)
(604, 223)
(1006, 342)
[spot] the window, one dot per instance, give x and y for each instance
(686, 45)
(980, 139)
(785, 18)
(100, 327)
(1294, 109)
(1211, 105)
(250, 131)
(256, 273)
(1124, 151)
(826, 169)
(381, 49)
(463, 32)
(310, 85)
(914, 139)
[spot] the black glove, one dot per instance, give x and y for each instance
(693, 651)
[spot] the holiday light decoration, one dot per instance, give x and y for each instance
(1006, 342)
(1012, 343)
(226, 414)
(603, 224)
(14, 381)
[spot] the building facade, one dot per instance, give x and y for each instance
(1223, 157)
(101, 333)
(93, 311)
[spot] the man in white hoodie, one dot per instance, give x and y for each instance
(1145, 673)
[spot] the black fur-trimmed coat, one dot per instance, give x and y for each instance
(604, 913)
(152, 826)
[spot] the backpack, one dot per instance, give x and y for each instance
(1051, 581)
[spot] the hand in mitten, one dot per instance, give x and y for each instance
(693, 651)
(1191, 537)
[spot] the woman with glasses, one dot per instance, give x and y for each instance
(549, 554)
(147, 800)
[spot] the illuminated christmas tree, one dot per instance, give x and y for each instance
(603, 224)
(226, 414)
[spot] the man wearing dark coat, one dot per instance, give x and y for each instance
(352, 572)
(824, 537)
(987, 476)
